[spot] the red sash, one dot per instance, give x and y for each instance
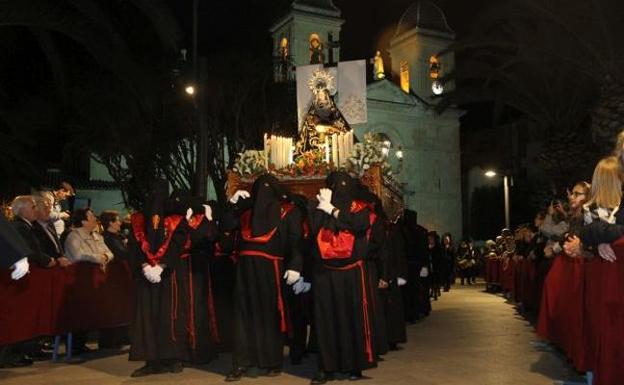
(138, 227)
(340, 246)
(368, 346)
(278, 282)
(265, 238)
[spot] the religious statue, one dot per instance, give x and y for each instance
(323, 117)
(316, 50)
(378, 68)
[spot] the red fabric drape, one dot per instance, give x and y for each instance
(78, 298)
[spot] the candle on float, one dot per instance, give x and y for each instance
(281, 152)
(273, 149)
(334, 149)
(326, 149)
(291, 153)
(265, 149)
(340, 148)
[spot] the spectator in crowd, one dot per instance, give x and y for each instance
(554, 227)
(606, 192)
(438, 265)
(449, 258)
(84, 243)
(576, 199)
(113, 338)
(25, 211)
(58, 216)
(46, 233)
(465, 261)
(13, 250)
(115, 241)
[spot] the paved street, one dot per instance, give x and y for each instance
(470, 338)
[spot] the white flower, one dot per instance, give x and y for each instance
(366, 167)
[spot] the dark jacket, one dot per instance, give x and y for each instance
(26, 230)
(115, 242)
(12, 245)
(49, 241)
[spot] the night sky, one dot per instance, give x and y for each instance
(368, 25)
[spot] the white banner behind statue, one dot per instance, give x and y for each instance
(352, 91)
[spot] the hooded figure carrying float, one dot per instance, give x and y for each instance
(268, 240)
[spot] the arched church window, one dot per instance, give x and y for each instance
(316, 49)
(283, 48)
(405, 80)
(434, 67)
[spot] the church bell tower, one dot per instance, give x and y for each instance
(421, 34)
(308, 34)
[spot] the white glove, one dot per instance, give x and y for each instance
(325, 207)
(157, 271)
(20, 269)
(189, 214)
(324, 194)
(306, 287)
(150, 273)
(424, 272)
(291, 276)
(239, 194)
(298, 286)
(208, 212)
(401, 281)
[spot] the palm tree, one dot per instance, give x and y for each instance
(94, 56)
(557, 63)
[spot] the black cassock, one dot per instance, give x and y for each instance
(171, 321)
(260, 313)
(342, 319)
(416, 292)
(392, 298)
(375, 268)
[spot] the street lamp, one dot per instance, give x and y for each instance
(190, 90)
(492, 174)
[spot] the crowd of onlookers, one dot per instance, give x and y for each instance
(565, 268)
(56, 238)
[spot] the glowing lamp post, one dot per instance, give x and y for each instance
(492, 174)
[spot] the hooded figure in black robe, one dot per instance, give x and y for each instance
(340, 227)
(377, 275)
(416, 290)
(396, 273)
(268, 260)
(163, 332)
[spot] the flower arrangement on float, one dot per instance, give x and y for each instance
(370, 152)
(250, 163)
(367, 153)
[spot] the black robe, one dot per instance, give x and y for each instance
(166, 319)
(416, 291)
(341, 321)
(258, 325)
(395, 267)
(375, 268)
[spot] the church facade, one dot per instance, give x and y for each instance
(402, 109)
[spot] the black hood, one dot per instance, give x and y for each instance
(179, 201)
(344, 189)
(368, 196)
(154, 213)
(267, 195)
